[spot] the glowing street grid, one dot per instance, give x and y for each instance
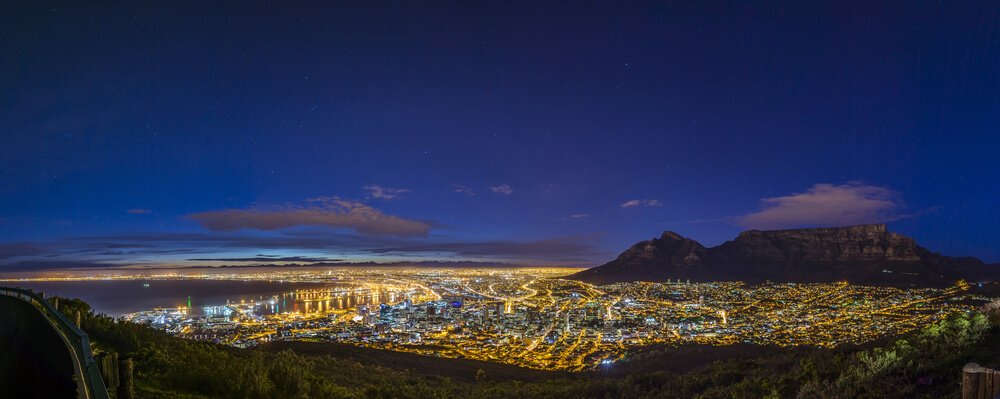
(532, 318)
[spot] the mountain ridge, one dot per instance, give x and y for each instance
(861, 254)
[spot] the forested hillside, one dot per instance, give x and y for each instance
(924, 363)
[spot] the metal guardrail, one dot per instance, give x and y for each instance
(90, 384)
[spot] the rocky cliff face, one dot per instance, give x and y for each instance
(670, 246)
(866, 254)
(853, 243)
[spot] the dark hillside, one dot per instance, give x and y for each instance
(457, 369)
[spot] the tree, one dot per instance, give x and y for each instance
(992, 311)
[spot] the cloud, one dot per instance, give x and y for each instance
(270, 259)
(574, 249)
(326, 212)
(254, 247)
(139, 211)
(571, 249)
(636, 203)
(458, 188)
(16, 249)
(386, 193)
(827, 205)
(37, 265)
(504, 189)
(214, 242)
(576, 216)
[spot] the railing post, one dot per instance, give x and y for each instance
(980, 382)
(125, 388)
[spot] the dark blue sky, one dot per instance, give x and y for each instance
(539, 133)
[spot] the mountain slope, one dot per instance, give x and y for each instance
(865, 254)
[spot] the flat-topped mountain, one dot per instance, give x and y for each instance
(865, 254)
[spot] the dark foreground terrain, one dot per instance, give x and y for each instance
(34, 361)
(925, 363)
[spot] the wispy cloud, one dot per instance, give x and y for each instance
(637, 203)
(385, 193)
(44, 264)
(827, 205)
(569, 249)
(15, 249)
(503, 189)
(138, 211)
(326, 212)
(322, 246)
(458, 188)
(312, 240)
(576, 216)
(297, 259)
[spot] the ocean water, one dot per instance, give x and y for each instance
(119, 297)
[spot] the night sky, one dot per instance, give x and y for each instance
(153, 133)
